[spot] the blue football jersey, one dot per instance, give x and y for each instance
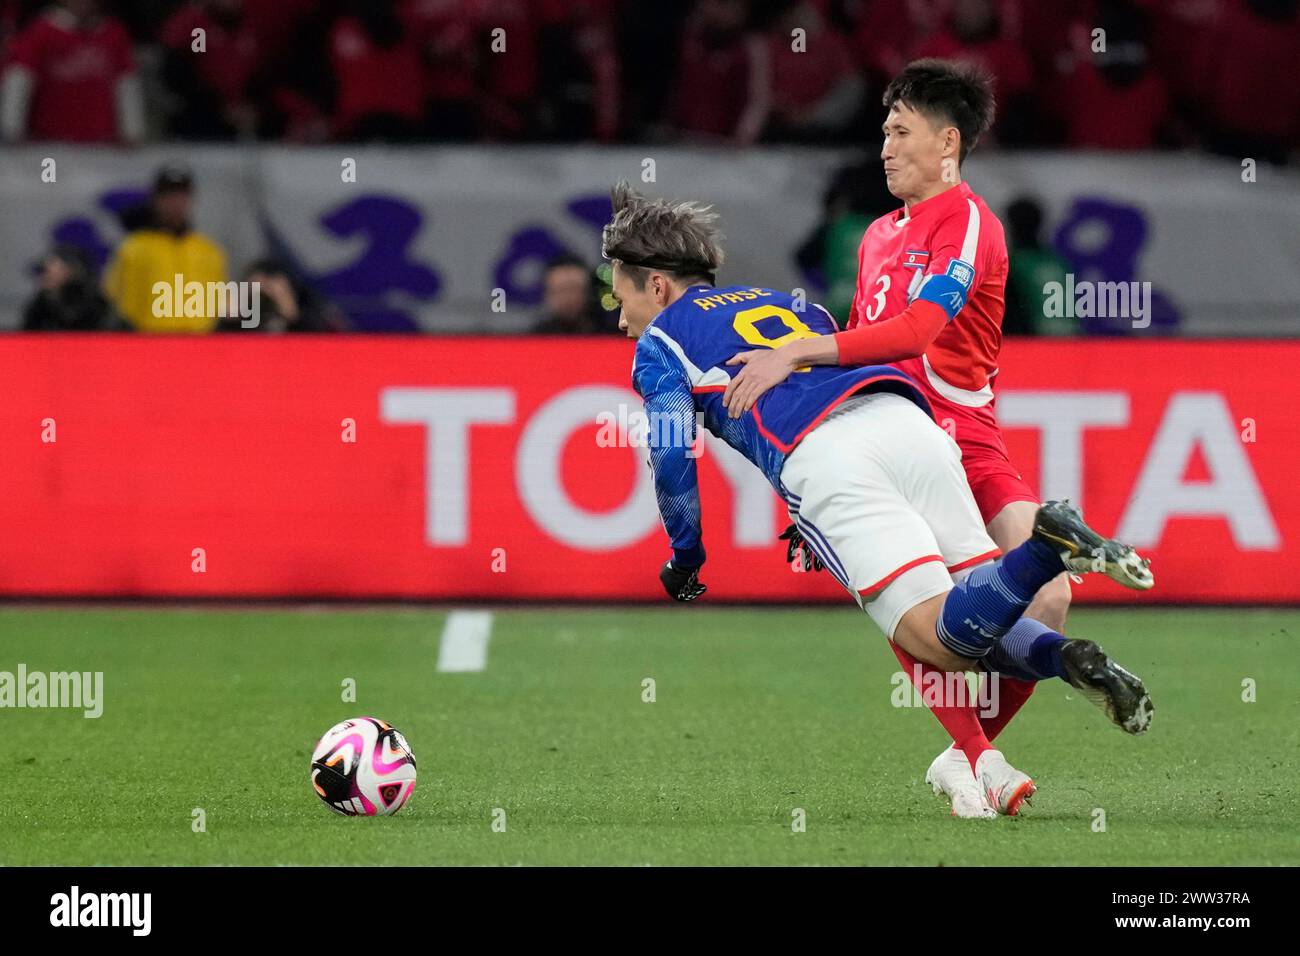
(680, 369)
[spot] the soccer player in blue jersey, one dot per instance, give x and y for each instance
(874, 486)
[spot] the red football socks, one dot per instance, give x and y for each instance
(1012, 694)
(960, 719)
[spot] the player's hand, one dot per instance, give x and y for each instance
(764, 369)
(797, 548)
(682, 584)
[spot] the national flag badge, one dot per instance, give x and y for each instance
(916, 259)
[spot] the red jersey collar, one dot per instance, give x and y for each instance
(940, 203)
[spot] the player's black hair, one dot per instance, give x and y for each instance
(954, 93)
(676, 238)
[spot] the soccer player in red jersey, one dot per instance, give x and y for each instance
(931, 279)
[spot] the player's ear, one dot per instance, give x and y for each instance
(660, 288)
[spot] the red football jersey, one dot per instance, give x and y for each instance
(953, 235)
(76, 73)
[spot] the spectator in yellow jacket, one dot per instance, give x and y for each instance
(168, 248)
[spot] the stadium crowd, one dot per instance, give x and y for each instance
(1173, 73)
(1085, 74)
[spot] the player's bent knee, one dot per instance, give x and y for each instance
(916, 634)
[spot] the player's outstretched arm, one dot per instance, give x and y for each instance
(670, 411)
(902, 336)
(768, 368)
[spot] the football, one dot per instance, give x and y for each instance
(363, 767)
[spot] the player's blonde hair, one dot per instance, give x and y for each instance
(646, 234)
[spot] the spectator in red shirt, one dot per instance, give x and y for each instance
(446, 33)
(214, 83)
(71, 76)
(816, 88)
(723, 75)
(507, 81)
(481, 63)
(885, 31)
(973, 34)
(1185, 45)
(1114, 99)
(379, 75)
(1248, 111)
(578, 69)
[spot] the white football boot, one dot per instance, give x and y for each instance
(950, 774)
(1005, 786)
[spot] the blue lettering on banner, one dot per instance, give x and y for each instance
(83, 232)
(519, 268)
(363, 287)
(1112, 259)
(519, 271)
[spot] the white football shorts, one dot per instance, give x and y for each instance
(878, 491)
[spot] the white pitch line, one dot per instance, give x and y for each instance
(465, 641)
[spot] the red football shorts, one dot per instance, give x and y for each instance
(993, 480)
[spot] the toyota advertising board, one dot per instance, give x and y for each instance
(478, 468)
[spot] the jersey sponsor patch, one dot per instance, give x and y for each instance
(962, 271)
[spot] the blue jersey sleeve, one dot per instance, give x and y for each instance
(660, 378)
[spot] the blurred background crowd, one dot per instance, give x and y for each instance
(1174, 73)
(1189, 75)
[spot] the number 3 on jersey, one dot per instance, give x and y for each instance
(877, 304)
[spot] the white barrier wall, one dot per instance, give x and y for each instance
(424, 235)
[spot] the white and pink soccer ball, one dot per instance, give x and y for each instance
(363, 767)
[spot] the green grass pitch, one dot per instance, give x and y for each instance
(756, 713)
